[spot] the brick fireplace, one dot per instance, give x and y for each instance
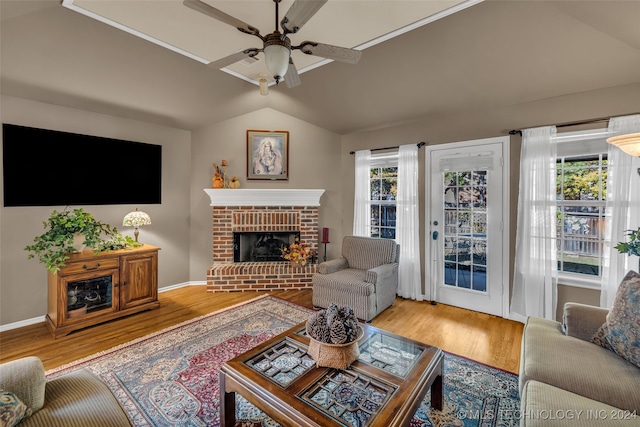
(252, 210)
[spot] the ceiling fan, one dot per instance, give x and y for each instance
(276, 45)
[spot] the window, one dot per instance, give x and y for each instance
(581, 188)
(384, 190)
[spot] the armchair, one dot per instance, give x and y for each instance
(364, 278)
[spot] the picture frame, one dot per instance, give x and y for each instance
(267, 155)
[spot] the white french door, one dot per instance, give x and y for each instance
(467, 208)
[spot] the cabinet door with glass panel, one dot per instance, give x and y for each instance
(89, 294)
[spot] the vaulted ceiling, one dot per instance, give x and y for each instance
(490, 54)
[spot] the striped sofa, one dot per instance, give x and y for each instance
(364, 278)
(76, 399)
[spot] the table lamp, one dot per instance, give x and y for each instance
(135, 219)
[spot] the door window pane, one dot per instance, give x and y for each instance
(465, 228)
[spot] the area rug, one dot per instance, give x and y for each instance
(170, 378)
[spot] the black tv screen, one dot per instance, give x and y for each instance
(49, 168)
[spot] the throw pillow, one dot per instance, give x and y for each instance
(600, 337)
(623, 320)
(12, 409)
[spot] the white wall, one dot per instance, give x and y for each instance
(314, 162)
(23, 282)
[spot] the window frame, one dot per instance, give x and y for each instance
(382, 161)
(583, 144)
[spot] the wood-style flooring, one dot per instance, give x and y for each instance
(481, 337)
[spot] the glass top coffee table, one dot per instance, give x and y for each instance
(383, 388)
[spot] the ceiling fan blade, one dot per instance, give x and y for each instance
(292, 78)
(232, 59)
(337, 53)
(211, 11)
(299, 13)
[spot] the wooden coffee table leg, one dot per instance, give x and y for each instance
(436, 393)
(436, 388)
(227, 405)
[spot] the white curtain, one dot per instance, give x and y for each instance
(407, 223)
(362, 196)
(622, 209)
(536, 269)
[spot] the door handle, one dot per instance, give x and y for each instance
(434, 235)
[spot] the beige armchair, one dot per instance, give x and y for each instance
(364, 278)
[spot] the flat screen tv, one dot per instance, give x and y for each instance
(50, 168)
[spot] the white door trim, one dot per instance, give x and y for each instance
(430, 283)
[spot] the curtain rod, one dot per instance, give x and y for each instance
(568, 124)
(419, 144)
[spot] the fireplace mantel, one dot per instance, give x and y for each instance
(264, 197)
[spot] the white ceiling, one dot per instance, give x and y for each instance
(351, 24)
(494, 54)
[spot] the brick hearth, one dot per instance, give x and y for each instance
(225, 275)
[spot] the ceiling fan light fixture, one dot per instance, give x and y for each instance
(264, 85)
(277, 53)
(277, 46)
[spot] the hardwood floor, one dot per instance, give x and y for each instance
(481, 337)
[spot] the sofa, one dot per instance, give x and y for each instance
(567, 378)
(365, 277)
(76, 399)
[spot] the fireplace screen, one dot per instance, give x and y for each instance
(261, 246)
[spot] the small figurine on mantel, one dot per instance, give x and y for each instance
(219, 175)
(234, 182)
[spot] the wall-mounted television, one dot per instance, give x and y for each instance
(44, 167)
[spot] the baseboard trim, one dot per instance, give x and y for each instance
(40, 319)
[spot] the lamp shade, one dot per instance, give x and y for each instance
(277, 60)
(136, 219)
(629, 143)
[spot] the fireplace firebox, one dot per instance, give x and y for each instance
(252, 246)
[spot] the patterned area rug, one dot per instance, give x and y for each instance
(170, 378)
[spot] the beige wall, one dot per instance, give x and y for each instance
(318, 159)
(23, 282)
(314, 159)
(485, 123)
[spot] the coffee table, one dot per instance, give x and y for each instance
(383, 388)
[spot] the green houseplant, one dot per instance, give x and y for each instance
(632, 246)
(63, 229)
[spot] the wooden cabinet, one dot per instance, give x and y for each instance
(92, 288)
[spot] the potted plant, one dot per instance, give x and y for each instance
(67, 229)
(632, 247)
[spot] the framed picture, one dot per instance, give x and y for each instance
(268, 155)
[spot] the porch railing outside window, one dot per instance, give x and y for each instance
(384, 181)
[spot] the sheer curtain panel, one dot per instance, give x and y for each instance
(536, 268)
(362, 196)
(622, 210)
(407, 225)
